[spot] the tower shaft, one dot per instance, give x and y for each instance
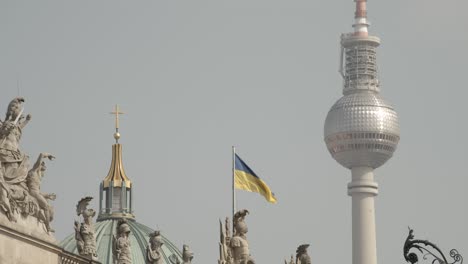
(363, 189)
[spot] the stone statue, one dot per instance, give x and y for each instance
(153, 250)
(187, 256)
(291, 261)
(121, 249)
(239, 243)
(84, 232)
(235, 249)
(301, 255)
(225, 252)
(13, 163)
(33, 181)
(20, 192)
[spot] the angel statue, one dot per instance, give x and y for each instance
(84, 232)
(153, 250)
(121, 249)
(302, 257)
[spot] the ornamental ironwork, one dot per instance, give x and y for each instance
(416, 250)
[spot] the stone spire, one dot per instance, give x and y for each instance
(116, 189)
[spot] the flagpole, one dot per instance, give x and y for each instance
(233, 183)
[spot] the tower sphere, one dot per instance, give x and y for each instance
(361, 130)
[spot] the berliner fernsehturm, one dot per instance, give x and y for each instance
(361, 131)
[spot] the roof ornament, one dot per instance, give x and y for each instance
(116, 175)
(117, 112)
(427, 251)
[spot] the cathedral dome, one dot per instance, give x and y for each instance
(116, 203)
(139, 237)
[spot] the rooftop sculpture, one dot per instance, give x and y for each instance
(153, 250)
(302, 257)
(121, 248)
(187, 256)
(234, 249)
(84, 232)
(291, 261)
(20, 195)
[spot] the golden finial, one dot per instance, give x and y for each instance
(116, 113)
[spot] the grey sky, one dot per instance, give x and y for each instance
(195, 77)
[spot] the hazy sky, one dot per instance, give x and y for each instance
(196, 77)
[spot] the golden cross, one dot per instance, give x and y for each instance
(116, 113)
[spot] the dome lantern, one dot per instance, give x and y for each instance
(115, 205)
(115, 191)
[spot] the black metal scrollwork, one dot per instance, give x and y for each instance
(428, 250)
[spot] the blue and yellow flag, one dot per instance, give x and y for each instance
(245, 179)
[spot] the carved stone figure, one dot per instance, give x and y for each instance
(291, 261)
(302, 257)
(235, 249)
(13, 163)
(121, 249)
(225, 254)
(33, 182)
(187, 254)
(153, 250)
(239, 244)
(20, 192)
(84, 232)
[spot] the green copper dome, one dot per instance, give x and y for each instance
(115, 203)
(139, 240)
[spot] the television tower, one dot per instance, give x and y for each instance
(361, 131)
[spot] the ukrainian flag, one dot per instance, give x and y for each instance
(245, 179)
